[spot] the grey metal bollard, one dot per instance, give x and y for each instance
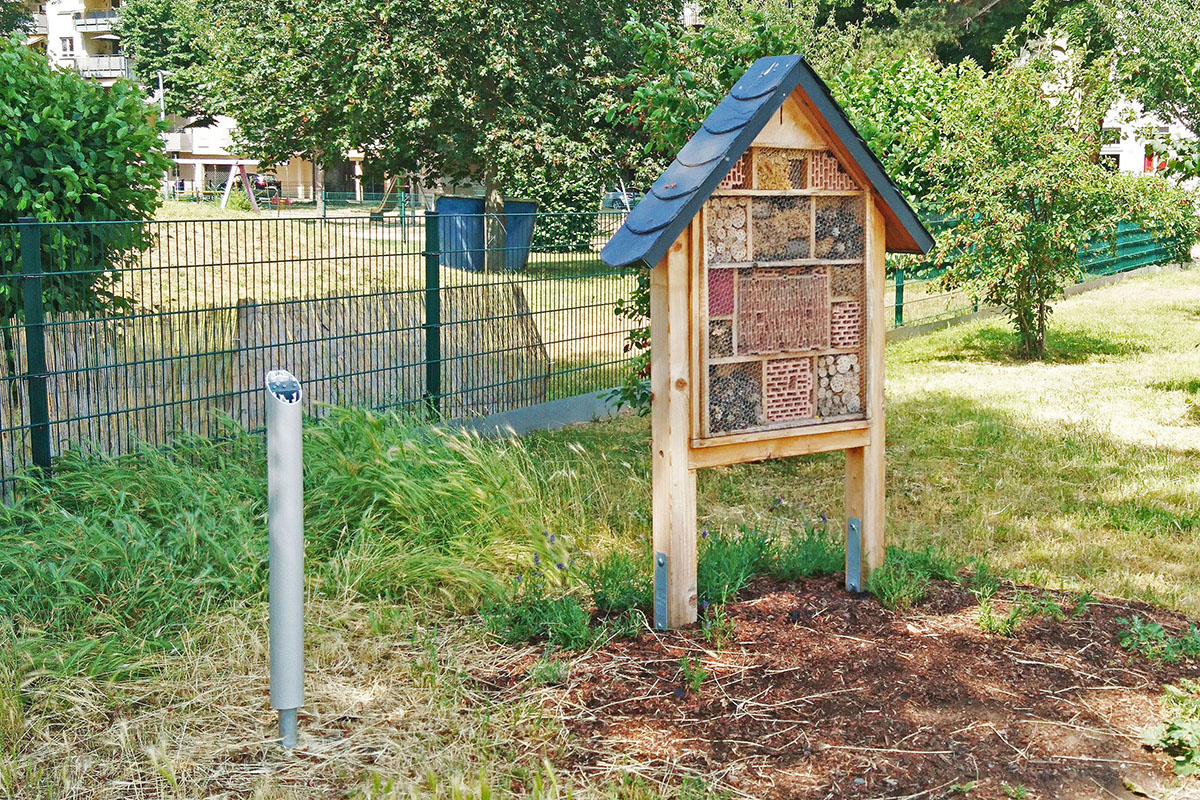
(285, 507)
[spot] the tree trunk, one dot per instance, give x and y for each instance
(495, 236)
(319, 185)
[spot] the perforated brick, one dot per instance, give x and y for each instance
(738, 176)
(846, 324)
(827, 173)
(779, 313)
(788, 390)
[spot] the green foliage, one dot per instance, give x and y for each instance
(727, 562)
(73, 150)
(1024, 606)
(1179, 734)
(897, 107)
(811, 552)
(1016, 174)
(692, 673)
(904, 578)
(1152, 641)
(682, 73)
(110, 558)
(619, 582)
(14, 16)
(549, 672)
(167, 36)
(1017, 792)
(530, 616)
(1082, 604)
(716, 627)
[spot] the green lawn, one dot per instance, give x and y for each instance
(133, 642)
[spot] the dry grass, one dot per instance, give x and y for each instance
(387, 694)
(1078, 472)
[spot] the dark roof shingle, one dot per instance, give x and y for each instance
(676, 197)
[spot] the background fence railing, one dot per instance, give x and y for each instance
(122, 334)
(921, 298)
(117, 335)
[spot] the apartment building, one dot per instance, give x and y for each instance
(84, 35)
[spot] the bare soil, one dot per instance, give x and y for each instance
(823, 694)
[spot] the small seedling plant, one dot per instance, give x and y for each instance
(692, 673)
(1179, 734)
(1152, 641)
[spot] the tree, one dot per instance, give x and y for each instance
(14, 16)
(73, 151)
(165, 36)
(490, 92)
(1015, 174)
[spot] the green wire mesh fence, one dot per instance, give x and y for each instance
(123, 334)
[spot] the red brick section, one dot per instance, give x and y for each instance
(738, 174)
(789, 388)
(846, 325)
(827, 173)
(720, 292)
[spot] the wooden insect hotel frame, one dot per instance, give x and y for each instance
(766, 240)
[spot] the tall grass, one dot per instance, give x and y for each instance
(112, 558)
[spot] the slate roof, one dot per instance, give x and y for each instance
(676, 197)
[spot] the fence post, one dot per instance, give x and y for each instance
(37, 397)
(899, 297)
(433, 314)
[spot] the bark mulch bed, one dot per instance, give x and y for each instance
(822, 694)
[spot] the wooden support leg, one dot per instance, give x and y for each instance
(673, 482)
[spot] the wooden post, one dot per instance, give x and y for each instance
(865, 465)
(673, 481)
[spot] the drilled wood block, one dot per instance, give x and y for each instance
(827, 173)
(779, 313)
(846, 324)
(788, 390)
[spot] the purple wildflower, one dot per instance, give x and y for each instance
(704, 533)
(560, 565)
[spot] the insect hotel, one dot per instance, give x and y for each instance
(765, 240)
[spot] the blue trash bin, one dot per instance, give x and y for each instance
(462, 232)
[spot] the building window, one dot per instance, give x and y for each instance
(68, 45)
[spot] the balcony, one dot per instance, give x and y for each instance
(38, 26)
(95, 21)
(103, 67)
(177, 141)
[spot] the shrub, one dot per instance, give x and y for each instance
(728, 562)
(812, 552)
(904, 578)
(74, 151)
(619, 582)
(1152, 641)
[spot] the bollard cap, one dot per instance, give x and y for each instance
(283, 385)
